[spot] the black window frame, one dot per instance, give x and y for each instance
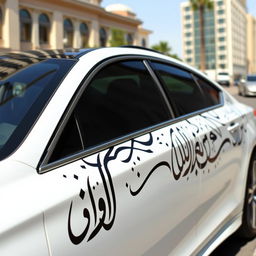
(45, 166)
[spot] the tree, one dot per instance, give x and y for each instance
(200, 6)
(164, 48)
(117, 37)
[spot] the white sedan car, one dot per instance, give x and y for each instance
(120, 151)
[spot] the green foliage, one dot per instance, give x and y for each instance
(201, 6)
(197, 4)
(164, 48)
(117, 37)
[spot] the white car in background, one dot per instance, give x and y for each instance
(223, 78)
(247, 86)
(120, 151)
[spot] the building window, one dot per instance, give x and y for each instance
(188, 34)
(129, 39)
(188, 51)
(222, 57)
(222, 66)
(188, 60)
(221, 30)
(44, 28)
(187, 9)
(221, 39)
(84, 32)
(221, 21)
(143, 42)
(103, 37)
(220, 12)
(25, 26)
(220, 3)
(188, 43)
(68, 33)
(222, 48)
(188, 25)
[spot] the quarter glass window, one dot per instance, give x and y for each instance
(211, 93)
(182, 90)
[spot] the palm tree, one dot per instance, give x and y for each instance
(165, 48)
(201, 5)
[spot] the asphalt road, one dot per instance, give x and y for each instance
(235, 246)
(251, 101)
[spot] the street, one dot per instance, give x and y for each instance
(235, 246)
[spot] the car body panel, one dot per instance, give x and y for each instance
(136, 175)
(174, 189)
(23, 201)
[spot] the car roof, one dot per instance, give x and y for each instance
(70, 53)
(102, 53)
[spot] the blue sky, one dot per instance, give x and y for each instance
(163, 18)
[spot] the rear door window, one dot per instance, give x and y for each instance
(181, 88)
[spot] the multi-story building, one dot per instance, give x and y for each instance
(251, 44)
(57, 24)
(225, 37)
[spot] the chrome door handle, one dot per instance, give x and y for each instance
(233, 127)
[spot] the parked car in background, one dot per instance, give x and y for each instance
(120, 151)
(247, 86)
(223, 78)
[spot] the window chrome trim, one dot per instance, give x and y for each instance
(160, 87)
(44, 166)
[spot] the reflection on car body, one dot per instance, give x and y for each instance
(121, 151)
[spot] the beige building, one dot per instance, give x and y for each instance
(57, 24)
(225, 34)
(251, 44)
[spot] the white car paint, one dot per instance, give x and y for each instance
(177, 215)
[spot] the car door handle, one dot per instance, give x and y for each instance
(233, 127)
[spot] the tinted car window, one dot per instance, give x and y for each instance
(122, 98)
(211, 94)
(183, 92)
(25, 87)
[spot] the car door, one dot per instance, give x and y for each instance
(215, 152)
(118, 187)
(222, 183)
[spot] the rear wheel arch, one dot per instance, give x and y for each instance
(248, 228)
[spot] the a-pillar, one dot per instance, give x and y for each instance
(11, 28)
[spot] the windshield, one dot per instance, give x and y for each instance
(25, 87)
(251, 78)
